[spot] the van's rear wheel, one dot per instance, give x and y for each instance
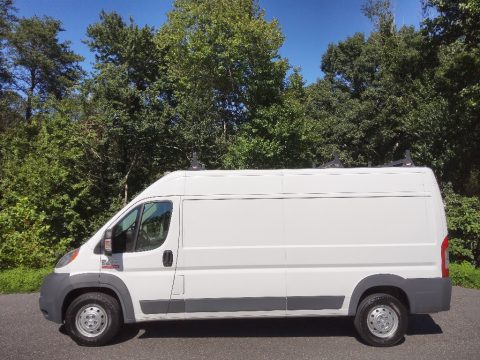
(381, 320)
(93, 319)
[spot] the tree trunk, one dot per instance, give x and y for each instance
(125, 196)
(29, 110)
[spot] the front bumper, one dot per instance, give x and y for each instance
(51, 296)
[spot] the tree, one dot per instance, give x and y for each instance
(453, 36)
(130, 95)
(223, 62)
(380, 13)
(278, 136)
(463, 214)
(379, 98)
(116, 43)
(49, 198)
(7, 20)
(9, 100)
(42, 65)
(454, 20)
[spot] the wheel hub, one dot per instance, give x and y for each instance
(382, 321)
(91, 320)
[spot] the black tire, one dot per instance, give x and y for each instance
(89, 304)
(378, 303)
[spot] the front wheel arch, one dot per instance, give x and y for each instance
(75, 293)
(110, 284)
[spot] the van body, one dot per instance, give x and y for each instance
(262, 243)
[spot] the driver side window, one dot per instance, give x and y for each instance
(143, 228)
(124, 232)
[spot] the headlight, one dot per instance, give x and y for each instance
(67, 258)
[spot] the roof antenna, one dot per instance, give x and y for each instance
(335, 163)
(195, 164)
(406, 161)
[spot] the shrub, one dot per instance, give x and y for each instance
(24, 238)
(465, 274)
(22, 280)
(463, 216)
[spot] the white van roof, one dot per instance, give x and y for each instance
(291, 181)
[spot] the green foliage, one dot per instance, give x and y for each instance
(21, 280)
(463, 214)
(42, 65)
(277, 136)
(128, 101)
(211, 80)
(7, 19)
(223, 64)
(377, 100)
(47, 191)
(23, 237)
(11, 107)
(465, 275)
(8, 99)
(452, 37)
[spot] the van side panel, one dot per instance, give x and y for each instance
(337, 242)
(248, 183)
(232, 258)
(368, 181)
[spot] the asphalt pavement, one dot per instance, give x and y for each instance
(25, 334)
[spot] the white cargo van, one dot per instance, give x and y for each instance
(370, 243)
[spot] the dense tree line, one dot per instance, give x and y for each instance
(74, 147)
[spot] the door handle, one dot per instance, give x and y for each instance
(167, 258)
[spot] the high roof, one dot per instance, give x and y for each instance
(210, 182)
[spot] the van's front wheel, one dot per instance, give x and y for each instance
(381, 320)
(93, 319)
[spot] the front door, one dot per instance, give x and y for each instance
(145, 245)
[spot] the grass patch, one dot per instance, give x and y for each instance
(465, 275)
(22, 280)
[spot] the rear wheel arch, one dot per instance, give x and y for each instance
(393, 285)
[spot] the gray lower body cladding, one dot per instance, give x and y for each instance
(49, 296)
(242, 304)
(427, 295)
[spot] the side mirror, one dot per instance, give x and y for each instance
(107, 242)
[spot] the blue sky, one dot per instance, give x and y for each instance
(308, 25)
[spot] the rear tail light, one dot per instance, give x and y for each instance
(445, 259)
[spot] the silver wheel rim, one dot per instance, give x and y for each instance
(382, 321)
(91, 320)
